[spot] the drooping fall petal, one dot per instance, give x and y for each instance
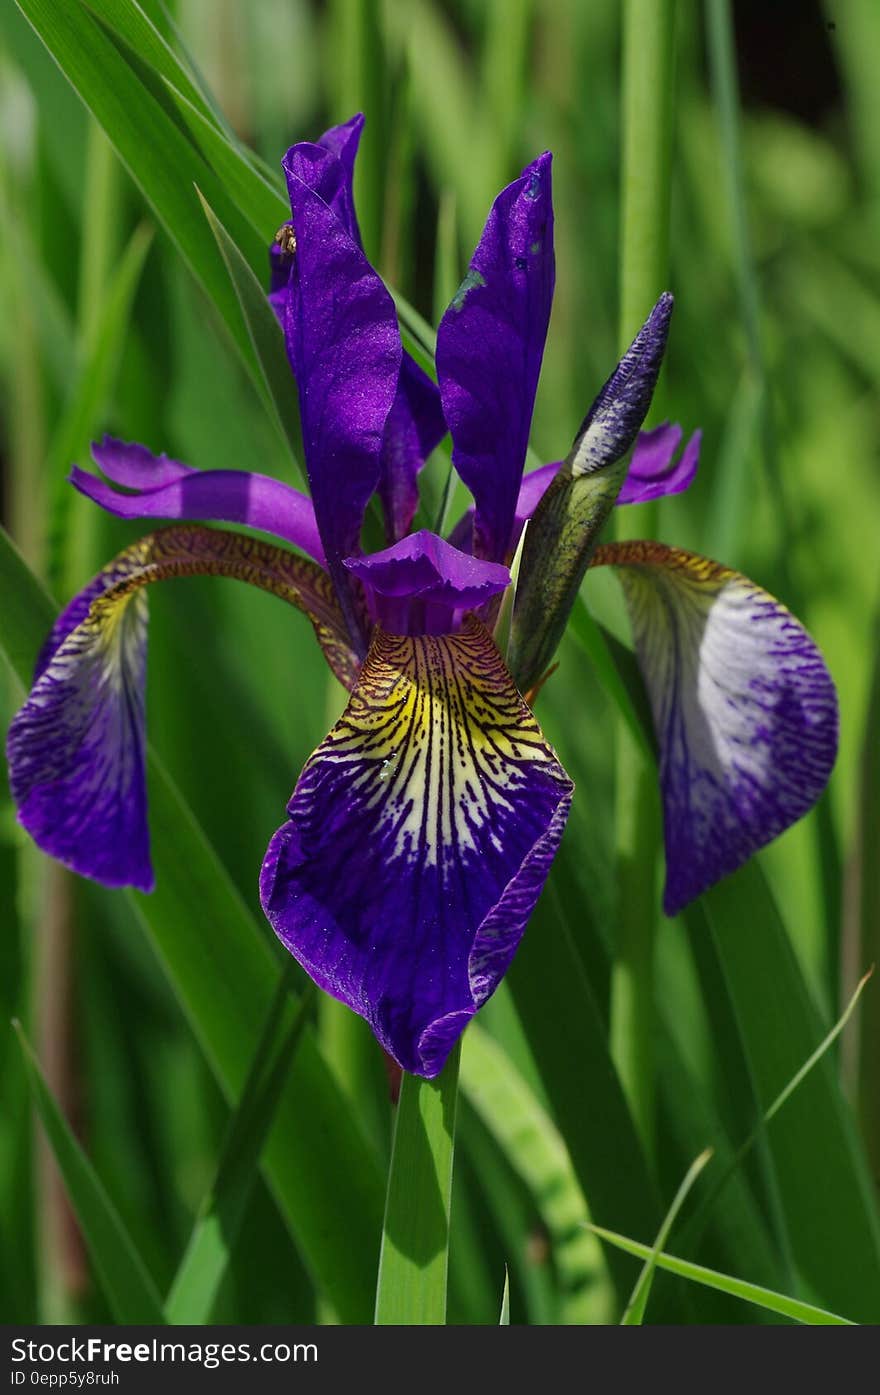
(76, 749)
(419, 837)
(744, 709)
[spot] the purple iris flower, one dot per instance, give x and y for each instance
(421, 831)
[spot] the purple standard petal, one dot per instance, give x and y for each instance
(654, 470)
(76, 747)
(531, 491)
(344, 347)
(744, 708)
(415, 424)
(423, 585)
(419, 838)
(414, 427)
(227, 496)
(337, 190)
(489, 348)
(343, 142)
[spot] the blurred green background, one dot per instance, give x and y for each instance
(775, 353)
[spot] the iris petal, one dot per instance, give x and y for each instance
(134, 466)
(744, 708)
(654, 471)
(76, 747)
(489, 347)
(344, 347)
(415, 423)
(423, 585)
(341, 142)
(419, 837)
(414, 427)
(227, 496)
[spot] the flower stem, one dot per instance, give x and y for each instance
(413, 1262)
(647, 110)
(647, 106)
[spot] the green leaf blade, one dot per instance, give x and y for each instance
(216, 1232)
(413, 1264)
(737, 1288)
(127, 1286)
(265, 336)
(223, 972)
(159, 157)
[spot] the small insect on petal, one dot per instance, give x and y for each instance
(285, 239)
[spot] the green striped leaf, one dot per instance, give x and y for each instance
(558, 1008)
(528, 1137)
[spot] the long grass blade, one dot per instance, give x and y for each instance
(414, 1259)
(634, 1312)
(127, 1286)
(265, 336)
(160, 158)
(217, 1229)
(561, 1017)
(737, 1288)
(521, 1127)
(131, 23)
(785, 1094)
(68, 559)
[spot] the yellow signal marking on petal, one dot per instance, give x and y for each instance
(439, 737)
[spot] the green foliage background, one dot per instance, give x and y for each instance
(145, 1013)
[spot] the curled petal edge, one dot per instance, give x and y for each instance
(419, 837)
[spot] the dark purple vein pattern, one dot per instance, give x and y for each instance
(76, 749)
(744, 709)
(420, 835)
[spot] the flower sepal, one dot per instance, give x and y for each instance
(565, 527)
